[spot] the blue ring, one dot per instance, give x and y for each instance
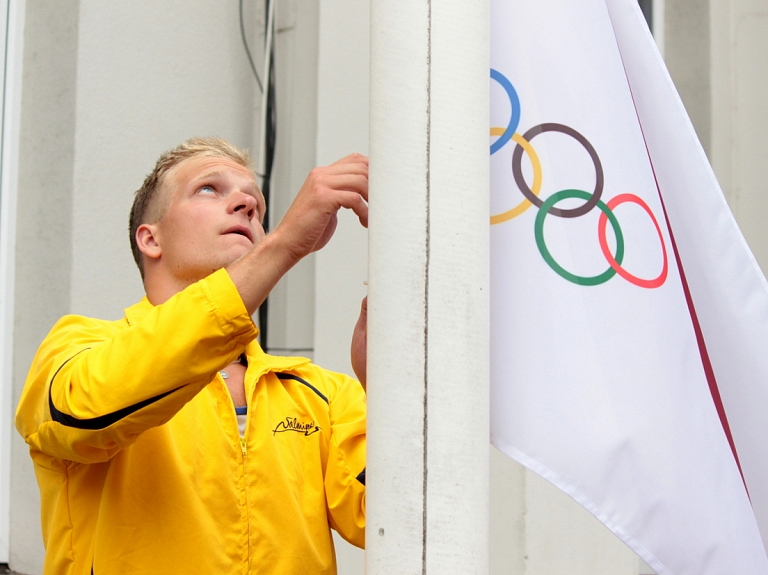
(514, 101)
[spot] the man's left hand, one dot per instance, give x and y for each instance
(360, 343)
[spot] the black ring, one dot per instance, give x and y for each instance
(517, 170)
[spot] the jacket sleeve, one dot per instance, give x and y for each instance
(345, 472)
(94, 386)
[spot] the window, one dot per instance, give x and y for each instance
(647, 7)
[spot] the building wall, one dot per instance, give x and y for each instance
(292, 302)
(715, 51)
(108, 86)
(44, 230)
(342, 128)
(148, 77)
(687, 54)
(739, 120)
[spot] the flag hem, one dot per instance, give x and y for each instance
(582, 499)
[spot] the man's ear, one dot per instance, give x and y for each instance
(146, 239)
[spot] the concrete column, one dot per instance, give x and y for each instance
(12, 21)
(739, 32)
(342, 128)
(148, 76)
(43, 231)
(341, 267)
(427, 500)
(686, 52)
(292, 302)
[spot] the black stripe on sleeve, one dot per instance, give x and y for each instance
(101, 421)
(309, 385)
(361, 477)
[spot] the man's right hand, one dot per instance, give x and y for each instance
(307, 226)
(311, 220)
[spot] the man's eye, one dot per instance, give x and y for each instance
(206, 190)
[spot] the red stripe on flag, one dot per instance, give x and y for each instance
(709, 373)
(706, 363)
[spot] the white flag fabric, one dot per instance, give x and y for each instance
(629, 316)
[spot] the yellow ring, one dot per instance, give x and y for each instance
(535, 188)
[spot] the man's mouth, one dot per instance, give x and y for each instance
(241, 231)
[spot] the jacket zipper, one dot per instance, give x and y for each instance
(244, 450)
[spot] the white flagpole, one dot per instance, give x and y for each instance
(427, 468)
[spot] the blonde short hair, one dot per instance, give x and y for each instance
(150, 203)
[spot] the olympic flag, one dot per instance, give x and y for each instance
(630, 319)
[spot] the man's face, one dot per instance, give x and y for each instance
(214, 216)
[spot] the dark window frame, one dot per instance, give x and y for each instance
(647, 7)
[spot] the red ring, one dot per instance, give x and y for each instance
(601, 225)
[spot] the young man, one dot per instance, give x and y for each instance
(168, 441)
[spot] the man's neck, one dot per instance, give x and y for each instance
(162, 287)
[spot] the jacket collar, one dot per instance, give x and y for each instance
(263, 362)
(136, 312)
(259, 360)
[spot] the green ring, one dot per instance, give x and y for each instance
(562, 272)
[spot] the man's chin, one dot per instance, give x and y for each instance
(235, 253)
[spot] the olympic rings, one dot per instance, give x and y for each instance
(546, 208)
(616, 265)
(536, 163)
(514, 119)
(531, 197)
(517, 157)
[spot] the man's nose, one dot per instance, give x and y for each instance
(242, 202)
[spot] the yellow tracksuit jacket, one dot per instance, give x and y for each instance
(140, 462)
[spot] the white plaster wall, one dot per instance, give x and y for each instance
(107, 87)
(686, 52)
(146, 75)
(538, 530)
(342, 128)
(508, 515)
(43, 232)
(292, 302)
(561, 537)
(739, 52)
(149, 75)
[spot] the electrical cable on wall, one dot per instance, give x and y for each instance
(247, 49)
(268, 131)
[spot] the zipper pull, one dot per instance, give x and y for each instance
(242, 446)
